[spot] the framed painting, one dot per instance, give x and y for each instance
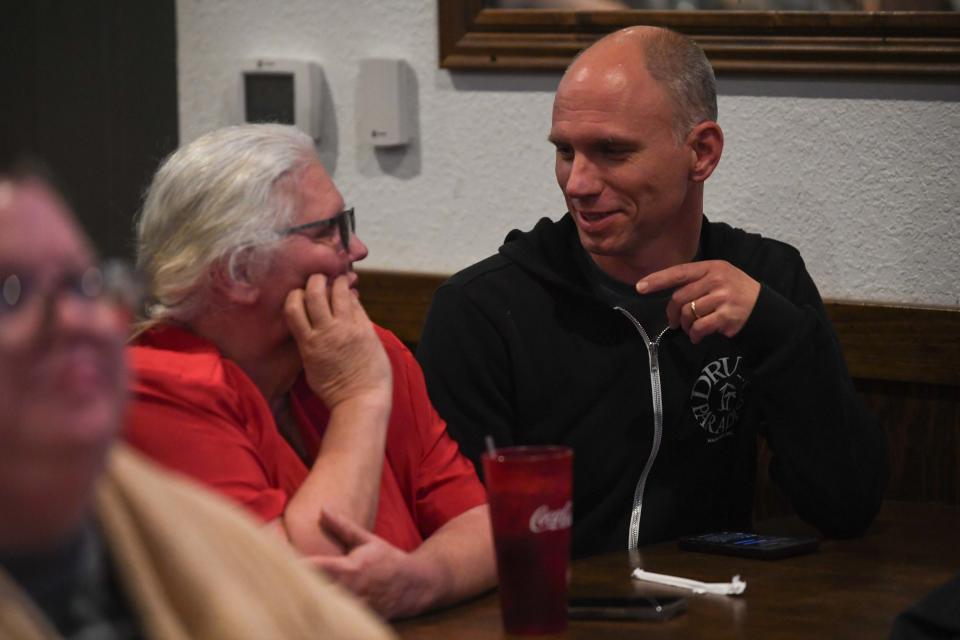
(877, 39)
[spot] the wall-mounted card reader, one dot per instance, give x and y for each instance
(284, 91)
(384, 102)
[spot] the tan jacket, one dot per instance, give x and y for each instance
(195, 567)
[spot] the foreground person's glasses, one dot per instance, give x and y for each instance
(27, 299)
(323, 230)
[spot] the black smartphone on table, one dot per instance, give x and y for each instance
(625, 607)
(749, 545)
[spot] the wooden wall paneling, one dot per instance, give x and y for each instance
(398, 301)
(897, 342)
(905, 362)
(922, 422)
(880, 342)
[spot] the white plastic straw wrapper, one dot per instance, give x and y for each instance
(735, 587)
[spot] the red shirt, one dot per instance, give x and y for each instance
(197, 412)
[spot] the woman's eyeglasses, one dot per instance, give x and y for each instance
(323, 230)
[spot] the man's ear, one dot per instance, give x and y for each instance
(234, 281)
(706, 142)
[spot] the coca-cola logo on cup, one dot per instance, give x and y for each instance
(545, 519)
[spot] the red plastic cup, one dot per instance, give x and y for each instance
(531, 510)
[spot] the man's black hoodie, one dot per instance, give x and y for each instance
(522, 348)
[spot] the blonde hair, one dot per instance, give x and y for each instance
(216, 201)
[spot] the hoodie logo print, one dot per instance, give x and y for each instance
(717, 397)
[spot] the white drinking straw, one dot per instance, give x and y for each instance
(492, 450)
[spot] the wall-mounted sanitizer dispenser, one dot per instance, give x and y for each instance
(384, 102)
(284, 91)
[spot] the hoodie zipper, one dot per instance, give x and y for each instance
(657, 398)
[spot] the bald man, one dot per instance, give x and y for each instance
(657, 344)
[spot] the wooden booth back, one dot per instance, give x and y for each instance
(905, 362)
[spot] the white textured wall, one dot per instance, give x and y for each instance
(862, 176)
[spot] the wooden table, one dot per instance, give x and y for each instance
(848, 589)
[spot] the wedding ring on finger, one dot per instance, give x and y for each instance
(693, 308)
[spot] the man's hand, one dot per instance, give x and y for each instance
(342, 356)
(391, 581)
(712, 296)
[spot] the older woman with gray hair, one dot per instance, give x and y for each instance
(259, 374)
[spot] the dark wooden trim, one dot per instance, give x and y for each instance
(880, 342)
(472, 37)
(899, 343)
(398, 301)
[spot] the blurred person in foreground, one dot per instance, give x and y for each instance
(259, 373)
(659, 345)
(96, 542)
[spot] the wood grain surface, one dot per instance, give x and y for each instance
(905, 362)
(880, 342)
(848, 589)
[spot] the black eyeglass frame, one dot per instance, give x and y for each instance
(346, 222)
(112, 280)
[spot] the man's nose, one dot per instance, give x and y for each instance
(583, 180)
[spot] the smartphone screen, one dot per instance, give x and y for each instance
(749, 545)
(626, 607)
